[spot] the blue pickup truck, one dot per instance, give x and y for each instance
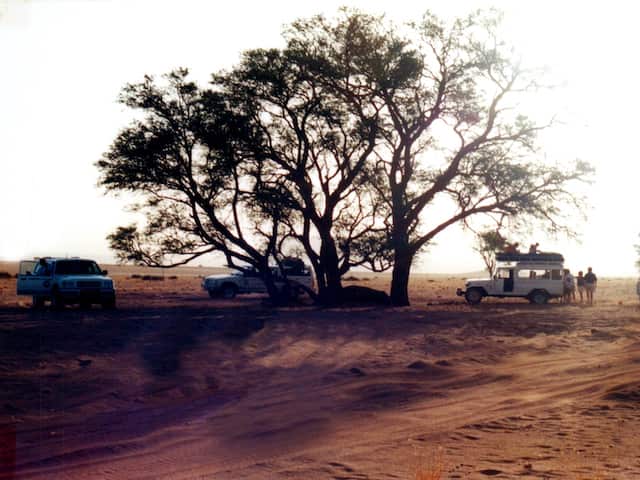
(64, 281)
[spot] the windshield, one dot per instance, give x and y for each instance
(77, 267)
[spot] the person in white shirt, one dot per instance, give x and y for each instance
(569, 285)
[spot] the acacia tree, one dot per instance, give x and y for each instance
(314, 154)
(449, 132)
(186, 160)
(489, 242)
(343, 142)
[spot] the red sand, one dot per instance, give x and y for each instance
(179, 386)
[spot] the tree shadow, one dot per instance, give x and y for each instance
(32, 336)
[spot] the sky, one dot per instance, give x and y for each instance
(63, 63)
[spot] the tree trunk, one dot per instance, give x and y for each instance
(326, 265)
(328, 280)
(272, 288)
(400, 277)
(275, 295)
(321, 283)
(402, 252)
(331, 293)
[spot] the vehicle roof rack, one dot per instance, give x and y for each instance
(529, 257)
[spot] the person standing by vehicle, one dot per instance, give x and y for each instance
(42, 268)
(590, 283)
(569, 287)
(580, 281)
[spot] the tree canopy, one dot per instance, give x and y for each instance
(339, 144)
(186, 159)
(489, 242)
(440, 81)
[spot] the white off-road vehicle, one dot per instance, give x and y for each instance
(537, 277)
(65, 281)
(249, 280)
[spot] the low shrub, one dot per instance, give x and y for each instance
(153, 277)
(148, 277)
(352, 278)
(364, 295)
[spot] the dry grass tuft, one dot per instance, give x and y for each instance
(431, 466)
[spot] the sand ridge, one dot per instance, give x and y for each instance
(176, 385)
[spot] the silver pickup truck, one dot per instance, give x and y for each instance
(250, 281)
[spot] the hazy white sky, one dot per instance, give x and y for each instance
(64, 62)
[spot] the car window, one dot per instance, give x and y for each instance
(532, 274)
(503, 273)
(77, 267)
(27, 266)
(42, 269)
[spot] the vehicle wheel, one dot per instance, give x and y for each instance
(109, 305)
(287, 293)
(57, 302)
(38, 302)
(213, 293)
(473, 296)
(229, 291)
(539, 297)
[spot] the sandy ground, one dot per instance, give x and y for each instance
(175, 385)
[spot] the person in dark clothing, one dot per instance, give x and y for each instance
(42, 268)
(590, 283)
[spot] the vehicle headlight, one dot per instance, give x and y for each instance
(68, 284)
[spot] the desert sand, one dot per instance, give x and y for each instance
(175, 385)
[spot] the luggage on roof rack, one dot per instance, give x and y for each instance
(529, 257)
